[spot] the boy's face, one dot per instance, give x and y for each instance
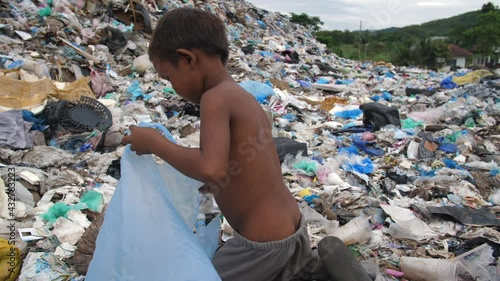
(183, 79)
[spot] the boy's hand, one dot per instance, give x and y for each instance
(140, 139)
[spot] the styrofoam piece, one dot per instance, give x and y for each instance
(30, 177)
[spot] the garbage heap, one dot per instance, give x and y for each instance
(400, 163)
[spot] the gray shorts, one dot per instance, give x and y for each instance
(292, 258)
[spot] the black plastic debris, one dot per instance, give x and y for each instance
(285, 146)
(86, 115)
(466, 216)
(378, 115)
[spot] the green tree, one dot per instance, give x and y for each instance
(488, 7)
(307, 21)
(486, 35)
(435, 53)
(427, 53)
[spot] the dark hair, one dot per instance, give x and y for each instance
(188, 28)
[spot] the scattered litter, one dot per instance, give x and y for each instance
(400, 163)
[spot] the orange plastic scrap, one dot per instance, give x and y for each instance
(19, 94)
(330, 102)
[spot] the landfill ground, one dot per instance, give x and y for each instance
(400, 163)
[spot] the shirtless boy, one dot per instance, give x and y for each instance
(237, 158)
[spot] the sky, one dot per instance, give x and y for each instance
(375, 14)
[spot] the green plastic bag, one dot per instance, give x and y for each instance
(410, 124)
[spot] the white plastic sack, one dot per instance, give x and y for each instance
(147, 232)
(42, 266)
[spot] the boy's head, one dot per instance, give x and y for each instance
(184, 39)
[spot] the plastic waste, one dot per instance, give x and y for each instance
(448, 83)
(164, 191)
(308, 167)
(472, 77)
(7, 193)
(495, 197)
(45, 12)
(286, 146)
(310, 215)
(349, 114)
(10, 261)
(207, 243)
(93, 200)
(377, 116)
(469, 123)
(360, 165)
(369, 148)
(467, 216)
(479, 263)
(449, 148)
(259, 90)
(45, 266)
(324, 80)
(136, 92)
(421, 269)
(142, 63)
(410, 124)
(414, 229)
(24, 95)
(358, 230)
(334, 179)
(430, 116)
(261, 24)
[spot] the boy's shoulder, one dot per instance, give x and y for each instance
(225, 91)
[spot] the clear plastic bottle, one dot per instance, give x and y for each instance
(200, 225)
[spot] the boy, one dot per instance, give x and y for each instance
(237, 159)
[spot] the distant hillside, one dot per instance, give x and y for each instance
(384, 44)
(443, 27)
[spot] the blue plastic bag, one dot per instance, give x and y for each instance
(349, 114)
(259, 90)
(365, 167)
(344, 82)
(451, 164)
(135, 91)
(304, 84)
(262, 24)
(290, 117)
(389, 75)
(387, 96)
(38, 124)
(147, 232)
(267, 54)
(323, 81)
(448, 83)
(351, 150)
(16, 64)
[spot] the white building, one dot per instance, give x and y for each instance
(459, 55)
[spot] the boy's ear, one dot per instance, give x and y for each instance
(187, 56)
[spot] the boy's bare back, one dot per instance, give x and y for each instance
(250, 193)
(237, 157)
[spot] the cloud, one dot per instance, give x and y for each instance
(375, 14)
(432, 4)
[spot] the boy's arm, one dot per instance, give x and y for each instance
(209, 162)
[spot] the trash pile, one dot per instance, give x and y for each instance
(400, 163)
